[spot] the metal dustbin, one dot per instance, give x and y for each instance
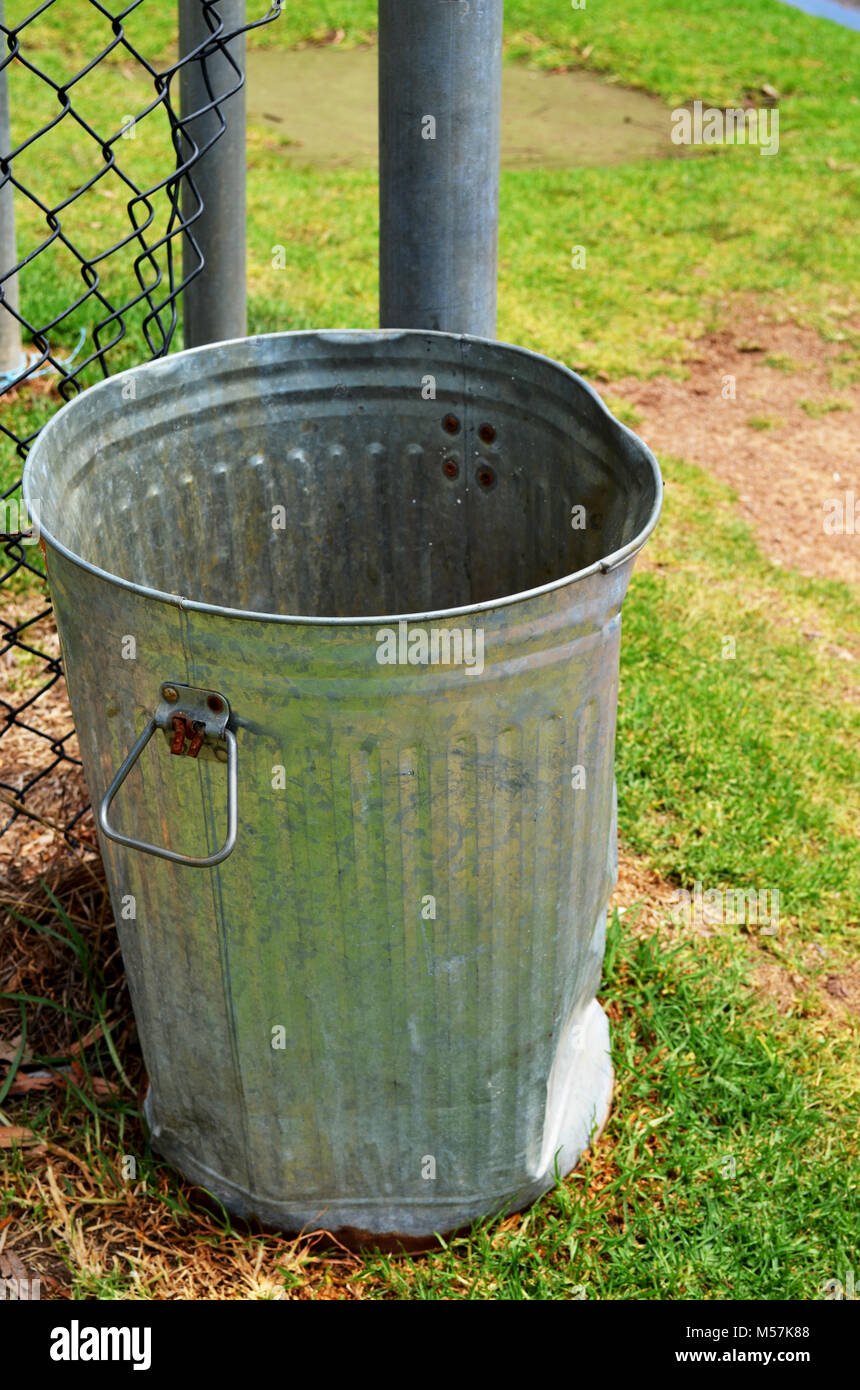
(344, 610)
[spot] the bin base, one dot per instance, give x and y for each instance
(409, 1223)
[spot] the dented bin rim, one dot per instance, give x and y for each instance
(112, 383)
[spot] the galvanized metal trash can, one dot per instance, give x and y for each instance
(340, 616)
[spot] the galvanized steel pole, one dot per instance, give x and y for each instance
(214, 307)
(11, 353)
(440, 77)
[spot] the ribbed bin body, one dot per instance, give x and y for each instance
(378, 1013)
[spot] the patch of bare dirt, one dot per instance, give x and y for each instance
(761, 412)
(826, 986)
(643, 899)
(822, 987)
(37, 731)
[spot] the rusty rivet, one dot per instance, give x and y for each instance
(486, 477)
(196, 738)
(487, 433)
(170, 693)
(215, 703)
(451, 424)
(450, 468)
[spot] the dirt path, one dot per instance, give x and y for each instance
(760, 410)
(550, 120)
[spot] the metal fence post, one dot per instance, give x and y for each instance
(11, 353)
(214, 306)
(440, 73)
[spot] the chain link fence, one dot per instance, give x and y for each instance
(97, 207)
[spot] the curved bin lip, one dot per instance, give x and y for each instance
(357, 335)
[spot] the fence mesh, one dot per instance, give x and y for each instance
(96, 167)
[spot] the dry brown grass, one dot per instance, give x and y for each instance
(72, 1217)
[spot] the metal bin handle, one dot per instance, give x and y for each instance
(216, 730)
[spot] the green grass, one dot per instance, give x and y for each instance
(765, 422)
(783, 362)
(815, 409)
(737, 769)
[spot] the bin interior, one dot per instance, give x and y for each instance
(319, 474)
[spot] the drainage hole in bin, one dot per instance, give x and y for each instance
(450, 468)
(451, 424)
(487, 433)
(486, 476)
